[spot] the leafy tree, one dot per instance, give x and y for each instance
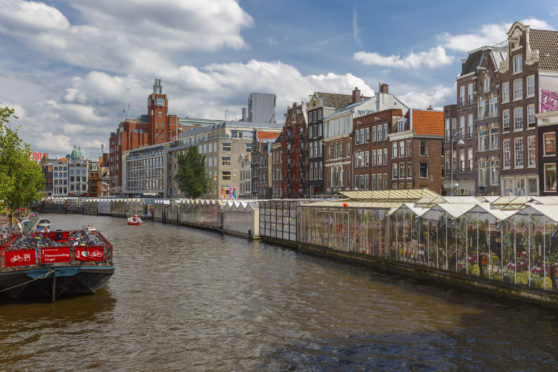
(192, 177)
(21, 179)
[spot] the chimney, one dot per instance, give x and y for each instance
(430, 108)
(356, 95)
(384, 88)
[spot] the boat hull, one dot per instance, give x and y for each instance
(64, 281)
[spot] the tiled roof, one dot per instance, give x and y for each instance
(428, 122)
(546, 42)
(408, 195)
(268, 135)
(334, 100)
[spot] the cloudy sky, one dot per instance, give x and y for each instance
(70, 68)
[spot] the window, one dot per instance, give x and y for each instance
(517, 89)
(402, 170)
(226, 160)
(517, 64)
(462, 160)
(401, 125)
(493, 108)
(447, 128)
(494, 139)
(226, 175)
(367, 135)
(385, 132)
(470, 93)
(469, 159)
(367, 158)
(506, 120)
(380, 133)
(423, 170)
(518, 152)
(550, 177)
(226, 146)
(470, 125)
(507, 157)
(423, 148)
(494, 165)
(482, 172)
(373, 158)
(380, 161)
(530, 115)
(402, 149)
(409, 169)
(530, 86)
(549, 140)
(531, 152)
(505, 92)
(462, 126)
(394, 171)
(373, 134)
(462, 95)
(248, 146)
(394, 150)
(518, 118)
(481, 109)
(487, 85)
(348, 149)
(409, 148)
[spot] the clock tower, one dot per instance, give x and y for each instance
(157, 112)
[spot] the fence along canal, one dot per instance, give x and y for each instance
(501, 245)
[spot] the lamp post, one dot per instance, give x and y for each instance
(459, 142)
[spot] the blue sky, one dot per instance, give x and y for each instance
(70, 67)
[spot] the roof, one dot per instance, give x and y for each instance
(473, 60)
(546, 42)
(428, 122)
(353, 204)
(418, 211)
(333, 99)
(268, 135)
(549, 211)
(493, 213)
(454, 210)
(511, 202)
(408, 195)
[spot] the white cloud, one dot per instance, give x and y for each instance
(419, 97)
(29, 16)
(435, 57)
(489, 34)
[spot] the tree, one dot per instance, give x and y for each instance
(192, 177)
(21, 179)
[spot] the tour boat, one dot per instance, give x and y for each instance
(51, 264)
(135, 221)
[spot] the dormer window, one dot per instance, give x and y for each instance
(487, 85)
(401, 125)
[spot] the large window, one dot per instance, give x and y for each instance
(531, 152)
(518, 118)
(494, 139)
(493, 111)
(518, 152)
(530, 86)
(423, 170)
(550, 177)
(226, 146)
(394, 150)
(423, 148)
(517, 89)
(462, 160)
(505, 92)
(481, 109)
(507, 156)
(469, 159)
(487, 85)
(494, 164)
(549, 144)
(226, 175)
(506, 120)
(462, 95)
(226, 160)
(517, 64)
(394, 169)
(530, 115)
(470, 125)
(470, 93)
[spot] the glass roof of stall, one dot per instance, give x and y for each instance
(408, 195)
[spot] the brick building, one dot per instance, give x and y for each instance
(276, 168)
(371, 148)
(261, 162)
(548, 129)
(320, 105)
(154, 128)
(416, 150)
(526, 78)
(293, 170)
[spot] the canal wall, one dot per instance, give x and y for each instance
(508, 254)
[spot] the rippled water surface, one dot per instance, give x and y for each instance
(185, 299)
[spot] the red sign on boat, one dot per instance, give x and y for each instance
(90, 253)
(50, 255)
(20, 258)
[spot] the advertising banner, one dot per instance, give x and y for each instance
(20, 258)
(90, 254)
(51, 255)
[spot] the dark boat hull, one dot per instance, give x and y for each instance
(66, 281)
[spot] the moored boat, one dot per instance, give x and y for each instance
(53, 264)
(134, 221)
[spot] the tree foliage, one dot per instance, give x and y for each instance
(192, 177)
(21, 179)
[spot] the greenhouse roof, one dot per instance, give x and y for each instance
(354, 204)
(511, 202)
(408, 195)
(454, 210)
(546, 210)
(413, 208)
(498, 214)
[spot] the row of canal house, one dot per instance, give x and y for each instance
(500, 136)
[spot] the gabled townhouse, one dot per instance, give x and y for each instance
(293, 152)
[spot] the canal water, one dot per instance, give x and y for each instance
(186, 299)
